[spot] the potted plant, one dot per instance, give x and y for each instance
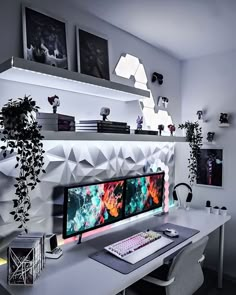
(223, 211)
(208, 206)
(216, 210)
(21, 135)
(194, 137)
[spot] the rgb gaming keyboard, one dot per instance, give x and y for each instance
(138, 246)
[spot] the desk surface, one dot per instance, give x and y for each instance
(76, 273)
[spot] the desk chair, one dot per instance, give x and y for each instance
(183, 277)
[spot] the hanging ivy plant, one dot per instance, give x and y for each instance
(21, 134)
(194, 137)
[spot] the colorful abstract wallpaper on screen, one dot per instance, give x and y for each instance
(143, 193)
(94, 205)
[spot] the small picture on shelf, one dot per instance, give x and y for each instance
(210, 167)
(44, 39)
(93, 58)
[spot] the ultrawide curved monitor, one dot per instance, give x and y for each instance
(143, 193)
(87, 207)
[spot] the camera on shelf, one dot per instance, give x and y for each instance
(104, 112)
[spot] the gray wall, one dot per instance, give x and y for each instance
(209, 83)
(83, 106)
(120, 42)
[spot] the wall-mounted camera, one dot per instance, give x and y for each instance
(157, 77)
(199, 115)
(161, 102)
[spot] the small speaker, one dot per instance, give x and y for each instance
(50, 242)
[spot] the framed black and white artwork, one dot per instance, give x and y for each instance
(210, 168)
(93, 56)
(44, 38)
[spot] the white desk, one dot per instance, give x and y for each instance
(76, 273)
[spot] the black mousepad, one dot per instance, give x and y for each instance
(124, 267)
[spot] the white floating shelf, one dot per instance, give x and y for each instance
(69, 135)
(209, 142)
(24, 71)
(224, 125)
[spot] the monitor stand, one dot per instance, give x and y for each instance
(79, 240)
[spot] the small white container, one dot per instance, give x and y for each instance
(216, 211)
(208, 209)
(223, 212)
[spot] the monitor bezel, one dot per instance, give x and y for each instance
(65, 207)
(149, 209)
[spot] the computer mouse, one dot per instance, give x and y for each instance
(170, 232)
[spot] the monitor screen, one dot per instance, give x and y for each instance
(143, 193)
(90, 206)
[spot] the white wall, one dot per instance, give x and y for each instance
(85, 106)
(120, 42)
(209, 83)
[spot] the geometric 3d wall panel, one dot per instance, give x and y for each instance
(75, 162)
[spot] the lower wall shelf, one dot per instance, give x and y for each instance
(67, 135)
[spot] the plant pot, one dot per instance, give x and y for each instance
(208, 209)
(216, 211)
(223, 212)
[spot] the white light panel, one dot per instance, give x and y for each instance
(140, 75)
(125, 68)
(140, 85)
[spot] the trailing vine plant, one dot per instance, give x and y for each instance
(194, 137)
(21, 134)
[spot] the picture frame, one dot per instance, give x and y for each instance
(93, 53)
(210, 167)
(45, 38)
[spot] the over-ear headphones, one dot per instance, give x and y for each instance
(190, 193)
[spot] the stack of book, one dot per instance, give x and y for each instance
(26, 258)
(102, 126)
(149, 132)
(55, 122)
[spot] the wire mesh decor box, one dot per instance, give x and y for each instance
(26, 259)
(41, 237)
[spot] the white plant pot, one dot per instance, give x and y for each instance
(223, 212)
(215, 211)
(208, 209)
